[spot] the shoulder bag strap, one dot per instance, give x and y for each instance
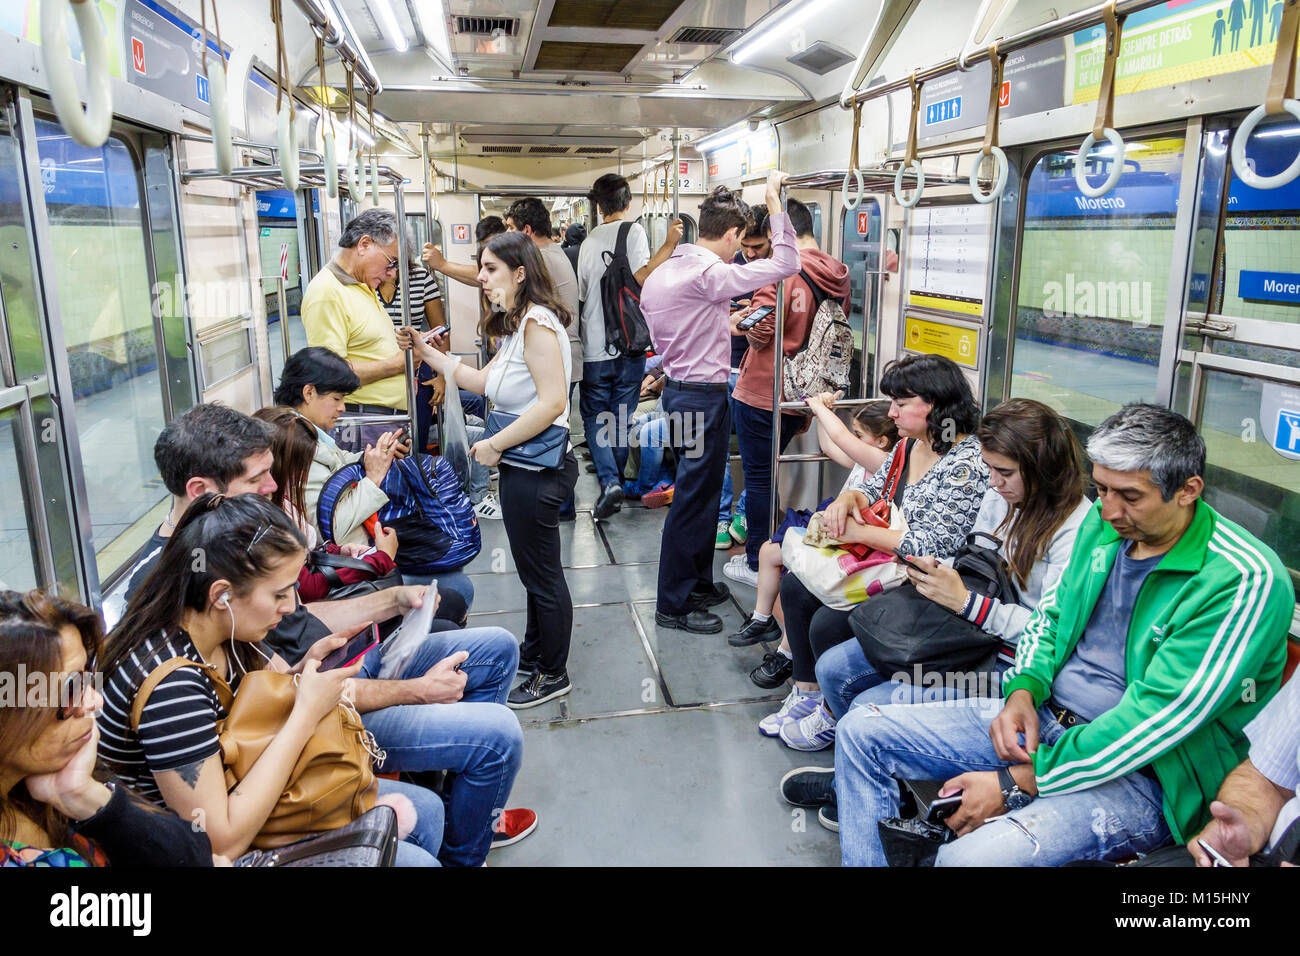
(620, 245)
(896, 470)
(165, 669)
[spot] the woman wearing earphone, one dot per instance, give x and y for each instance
(528, 381)
(224, 578)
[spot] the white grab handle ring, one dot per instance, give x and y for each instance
(88, 127)
(374, 180)
(352, 172)
(220, 117)
(844, 190)
(1239, 138)
(288, 151)
(331, 165)
(1000, 168)
(1116, 169)
(920, 184)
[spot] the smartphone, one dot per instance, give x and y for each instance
(911, 564)
(439, 331)
(942, 808)
(755, 317)
(353, 650)
(1218, 858)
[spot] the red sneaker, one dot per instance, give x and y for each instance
(512, 826)
(662, 495)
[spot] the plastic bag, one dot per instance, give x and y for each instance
(455, 436)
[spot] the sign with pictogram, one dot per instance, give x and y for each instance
(864, 223)
(1004, 97)
(137, 54)
(460, 233)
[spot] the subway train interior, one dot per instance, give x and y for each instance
(1079, 203)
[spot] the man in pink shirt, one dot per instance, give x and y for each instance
(685, 302)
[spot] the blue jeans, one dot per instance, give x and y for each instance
(652, 438)
(420, 848)
(911, 691)
(754, 433)
(609, 389)
(875, 745)
(478, 737)
(457, 581)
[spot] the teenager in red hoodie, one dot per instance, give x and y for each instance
(753, 392)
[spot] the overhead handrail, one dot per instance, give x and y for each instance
(218, 102)
(909, 157)
(1105, 121)
(286, 135)
(989, 13)
(327, 125)
(89, 126)
(374, 150)
(1280, 99)
(990, 147)
(874, 46)
(854, 169)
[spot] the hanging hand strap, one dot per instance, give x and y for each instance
(1106, 92)
(1281, 82)
(997, 61)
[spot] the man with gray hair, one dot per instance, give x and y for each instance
(1132, 686)
(342, 312)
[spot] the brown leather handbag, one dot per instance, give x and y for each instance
(332, 782)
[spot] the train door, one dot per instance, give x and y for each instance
(860, 251)
(283, 259)
(98, 348)
(1238, 364)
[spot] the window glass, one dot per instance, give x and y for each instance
(862, 234)
(17, 543)
(1093, 281)
(98, 256)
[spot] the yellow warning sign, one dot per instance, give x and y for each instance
(937, 338)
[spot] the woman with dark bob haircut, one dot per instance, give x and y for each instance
(942, 487)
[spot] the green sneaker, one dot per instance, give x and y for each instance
(738, 531)
(723, 541)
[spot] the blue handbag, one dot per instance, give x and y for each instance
(546, 449)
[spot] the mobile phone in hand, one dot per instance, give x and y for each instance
(1216, 858)
(439, 331)
(941, 808)
(355, 649)
(755, 317)
(910, 563)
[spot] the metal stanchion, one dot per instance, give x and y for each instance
(404, 277)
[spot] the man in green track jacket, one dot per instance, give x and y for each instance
(1132, 684)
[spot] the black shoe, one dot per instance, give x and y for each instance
(591, 467)
(829, 817)
(538, 689)
(610, 500)
(809, 787)
(702, 599)
(755, 632)
(774, 671)
(526, 666)
(697, 622)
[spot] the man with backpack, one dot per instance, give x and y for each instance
(686, 307)
(821, 292)
(613, 365)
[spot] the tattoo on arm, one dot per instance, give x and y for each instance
(190, 772)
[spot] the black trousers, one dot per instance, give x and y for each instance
(530, 509)
(811, 628)
(700, 432)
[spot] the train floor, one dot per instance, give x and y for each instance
(654, 758)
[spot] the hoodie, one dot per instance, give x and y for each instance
(754, 385)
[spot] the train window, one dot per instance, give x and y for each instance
(1093, 282)
(279, 255)
(17, 560)
(861, 253)
(100, 261)
(816, 209)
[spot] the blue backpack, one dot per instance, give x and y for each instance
(436, 527)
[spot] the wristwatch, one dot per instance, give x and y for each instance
(1012, 796)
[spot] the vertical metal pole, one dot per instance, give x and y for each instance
(404, 276)
(428, 229)
(778, 371)
(677, 177)
(284, 314)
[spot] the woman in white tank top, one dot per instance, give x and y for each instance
(528, 378)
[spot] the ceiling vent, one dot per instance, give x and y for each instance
(570, 57)
(595, 150)
(613, 14)
(548, 150)
(711, 36)
(503, 149)
(487, 26)
(821, 58)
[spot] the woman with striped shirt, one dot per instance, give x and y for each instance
(225, 577)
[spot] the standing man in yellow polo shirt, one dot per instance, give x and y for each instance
(342, 312)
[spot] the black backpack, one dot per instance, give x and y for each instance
(626, 332)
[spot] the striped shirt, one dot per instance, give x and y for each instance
(424, 289)
(178, 725)
(1275, 750)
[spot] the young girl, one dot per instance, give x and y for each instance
(864, 448)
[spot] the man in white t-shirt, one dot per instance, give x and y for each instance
(611, 383)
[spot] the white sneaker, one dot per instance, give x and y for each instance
(797, 704)
(489, 507)
(815, 731)
(738, 569)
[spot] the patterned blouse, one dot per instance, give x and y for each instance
(940, 508)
